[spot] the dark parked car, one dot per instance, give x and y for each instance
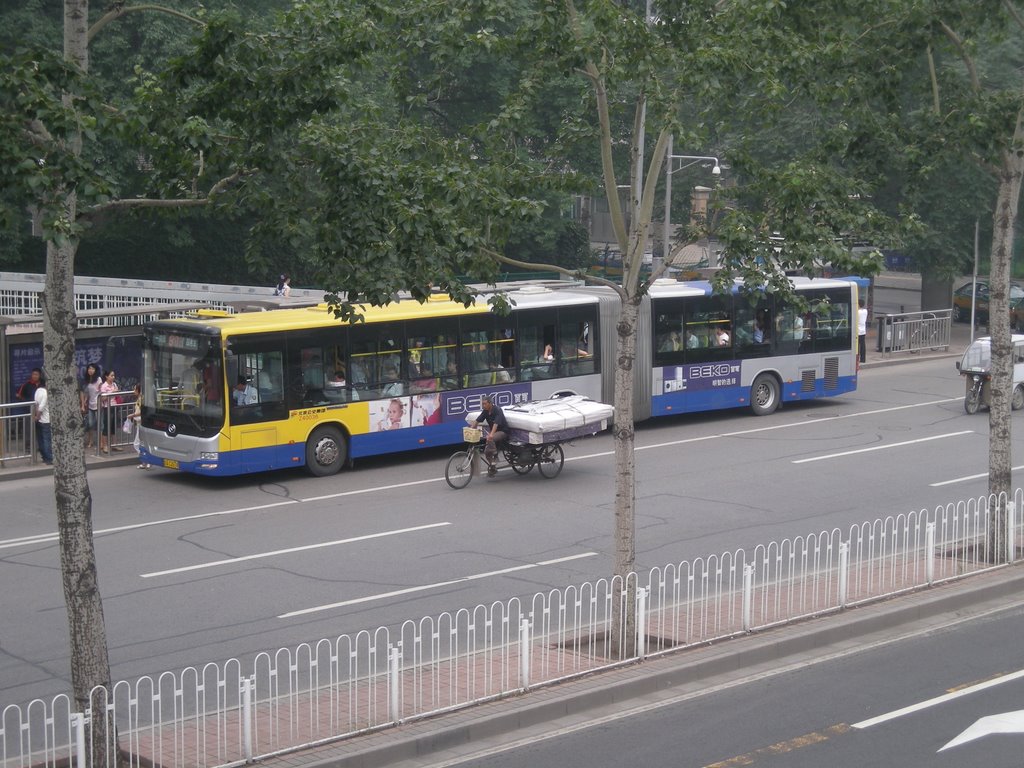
(962, 304)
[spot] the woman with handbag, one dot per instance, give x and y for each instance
(137, 421)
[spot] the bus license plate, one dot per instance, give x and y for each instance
(170, 464)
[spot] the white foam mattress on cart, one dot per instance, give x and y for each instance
(542, 421)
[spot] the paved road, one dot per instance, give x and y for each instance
(194, 570)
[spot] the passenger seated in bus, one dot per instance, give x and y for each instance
(426, 381)
(671, 343)
(450, 380)
(392, 386)
(337, 387)
(499, 375)
(692, 341)
(722, 338)
(759, 331)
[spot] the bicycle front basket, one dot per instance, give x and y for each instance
(471, 434)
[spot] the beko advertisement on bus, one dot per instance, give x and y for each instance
(700, 376)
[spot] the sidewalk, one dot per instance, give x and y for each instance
(18, 469)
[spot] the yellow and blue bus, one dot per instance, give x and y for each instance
(231, 394)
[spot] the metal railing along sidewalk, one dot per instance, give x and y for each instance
(278, 702)
(912, 332)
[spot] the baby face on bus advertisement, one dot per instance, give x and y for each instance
(390, 414)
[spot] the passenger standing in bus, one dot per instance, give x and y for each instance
(721, 336)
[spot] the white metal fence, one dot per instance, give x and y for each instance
(915, 331)
(230, 713)
(17, 432)
(18, 438)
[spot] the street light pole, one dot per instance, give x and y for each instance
(670, 168)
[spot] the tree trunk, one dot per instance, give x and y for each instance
(624, 619)
(90, 665)
(999, 476)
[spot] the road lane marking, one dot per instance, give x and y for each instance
(1008, 678)
(374, 489)
(772, 428)
(48, 538)
(291, 550)
(885, 447)
(438, 585)
(967, 478)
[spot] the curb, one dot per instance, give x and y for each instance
(42, 470)
(420, 738)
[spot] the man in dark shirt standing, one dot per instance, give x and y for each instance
(27, 391)
(495, 419)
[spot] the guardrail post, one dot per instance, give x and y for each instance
(929, 556)
(641, 623)
(1011, 541)
(247, 689)
(78, 721)
(844, 572)
(394, 708)
(748, 597)
(524, 653)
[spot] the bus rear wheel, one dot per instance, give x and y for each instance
(1018, 398)
(764, 395)
(326, 451)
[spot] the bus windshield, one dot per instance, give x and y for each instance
(183, 382)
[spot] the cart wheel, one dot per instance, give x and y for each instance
(551, 460)
(459, 469)
(516, 461)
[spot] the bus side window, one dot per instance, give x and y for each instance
(535, 342)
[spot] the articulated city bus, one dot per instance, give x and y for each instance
(231, 394)
(295, 387)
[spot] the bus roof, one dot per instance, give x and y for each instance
(669, 287)
(319, 316)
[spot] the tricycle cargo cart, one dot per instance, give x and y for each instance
(536, 433)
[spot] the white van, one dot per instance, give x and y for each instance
(976, 366)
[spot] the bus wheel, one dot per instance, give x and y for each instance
(764, 395)
(326, 451)
(1017, 402)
